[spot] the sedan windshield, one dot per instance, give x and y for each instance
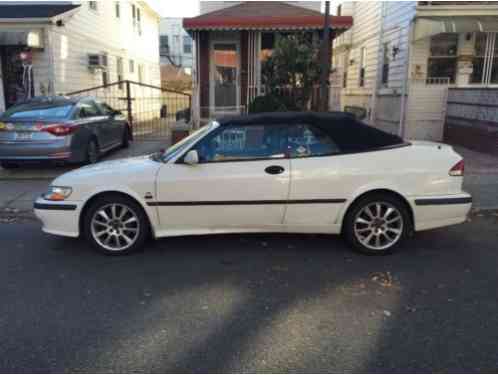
(184, 144)
(39, 112)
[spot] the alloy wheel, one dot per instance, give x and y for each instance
(115, 227)
(378, 225)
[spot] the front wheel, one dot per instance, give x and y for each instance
(115, 225)
(377, 224)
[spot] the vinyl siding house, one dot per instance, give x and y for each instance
(426, 70)
(232, 38)
(45, 48)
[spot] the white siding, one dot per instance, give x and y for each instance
(398, 15)
(88, 32)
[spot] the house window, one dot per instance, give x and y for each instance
(132, 66)
(443, 57)
(163, 45)
(140, 73)
(119, 68)
(105, 78)
(93, 5)
(485, 61)
(345, 73)
(117, 9)
(385, 65)
(139, 22)
(187, 45)
(267, 45)
(135, 14)
(363, 65)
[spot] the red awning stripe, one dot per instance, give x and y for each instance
(265, 23)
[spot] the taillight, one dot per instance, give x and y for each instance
(457, 169)
(59, 129)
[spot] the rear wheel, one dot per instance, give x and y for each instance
(9, 165)
(115, 225)
(377, 224)
(92, 152)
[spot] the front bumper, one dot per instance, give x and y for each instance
(59, 218)
(432, 212)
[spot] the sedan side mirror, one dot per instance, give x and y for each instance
(192, 158)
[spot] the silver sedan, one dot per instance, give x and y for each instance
(76, 130)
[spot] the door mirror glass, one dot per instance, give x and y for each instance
(192, 158)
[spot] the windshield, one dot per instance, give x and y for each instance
(184, 144)
(40, 112)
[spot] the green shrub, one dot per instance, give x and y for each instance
(272, 103)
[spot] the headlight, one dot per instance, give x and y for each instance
(57, 193)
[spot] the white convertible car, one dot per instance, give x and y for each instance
(289, 172)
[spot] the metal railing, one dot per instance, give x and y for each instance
(151, 110)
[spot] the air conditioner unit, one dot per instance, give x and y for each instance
(97, 61)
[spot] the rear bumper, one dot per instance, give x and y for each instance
(27, 151)
(59, 218)
(439, 211)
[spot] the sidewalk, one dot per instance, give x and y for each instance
(481, 178)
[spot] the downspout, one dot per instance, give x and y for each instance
(380, 57)
(402, 119)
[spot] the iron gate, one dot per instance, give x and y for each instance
(151, 110)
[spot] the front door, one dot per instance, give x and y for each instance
(240, 184)
(224, 78)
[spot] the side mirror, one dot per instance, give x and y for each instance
(192, 158)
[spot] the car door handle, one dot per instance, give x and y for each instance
(275, 169)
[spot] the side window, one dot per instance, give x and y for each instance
(88, 109)
(251, 142)
(105, 109)
(305, 141)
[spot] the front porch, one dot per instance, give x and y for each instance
(231, 45)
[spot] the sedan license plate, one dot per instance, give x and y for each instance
(23, 136)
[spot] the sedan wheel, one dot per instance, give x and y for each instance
(377, 224)
(116, 225)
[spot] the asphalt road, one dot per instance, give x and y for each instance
(250, 303)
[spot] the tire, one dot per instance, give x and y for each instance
(126, 138)
(9, 165)
(370, 233)
(133, 225)
(92, 155)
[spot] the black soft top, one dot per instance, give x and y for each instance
(348, 133)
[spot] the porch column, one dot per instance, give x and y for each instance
(244, 68)
(204, 62)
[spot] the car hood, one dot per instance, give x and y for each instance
(113, 171)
